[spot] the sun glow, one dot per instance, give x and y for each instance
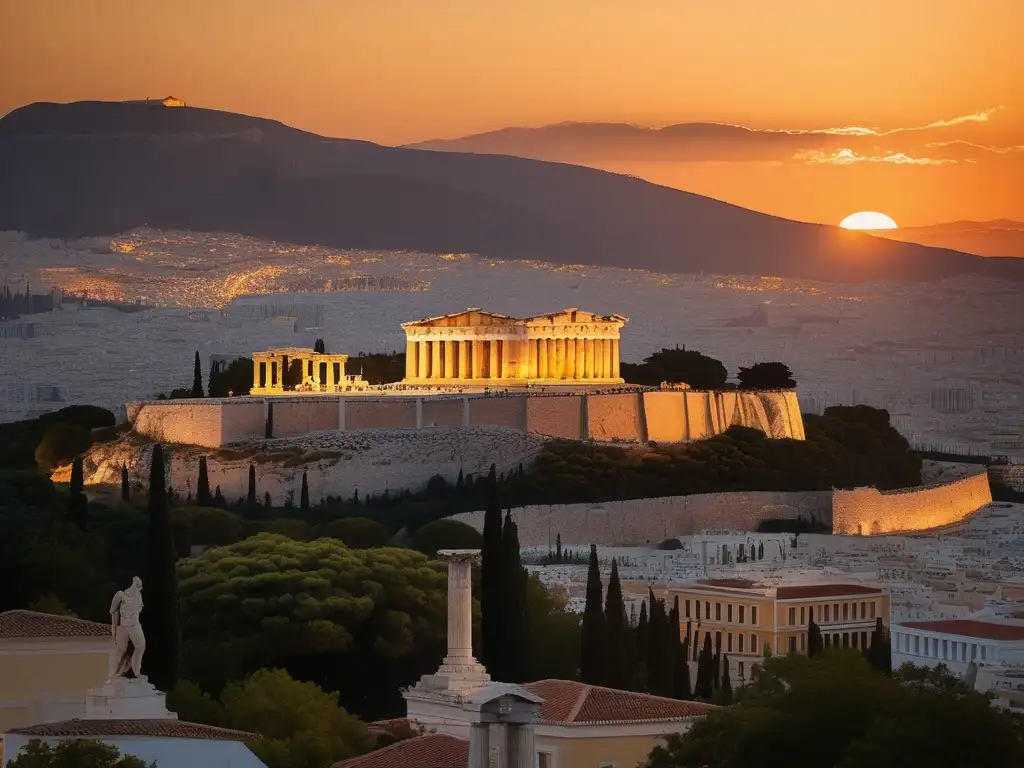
(868, 220)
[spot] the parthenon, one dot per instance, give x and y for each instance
(477, 347)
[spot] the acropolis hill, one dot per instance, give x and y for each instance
(554, 375)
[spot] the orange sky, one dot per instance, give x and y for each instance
(397, 71)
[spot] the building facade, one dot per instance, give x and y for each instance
(958, 642)
(477, 347)
(742, 617)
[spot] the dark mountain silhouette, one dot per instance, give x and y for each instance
(93, 168)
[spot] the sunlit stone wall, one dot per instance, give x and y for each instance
(556, 416)
(300, 417)
(869, 511)
(498, 411)
(444, 413)
(192, 422)
(380, 414)
(615, 418)
(649, 521)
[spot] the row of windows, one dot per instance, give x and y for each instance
(834, 640)
(740, 614)
(716, 642)
(933, 647)
(830, 613)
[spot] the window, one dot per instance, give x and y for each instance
(739, 665)
(718, 611)
(707, 609)
(718, 641)
(545, 760)
(741, 637)
(983, 648)
(872, 606)
(846, 611)
(792, 616)
(792, 644)
(753, 614)
(753, 644)
(835, 611)
(803, 641)
(827, 613)
(728, 642)
(741, 613)
(728, 613)
(853, 637)
(810, 613)
(803, 615)
(863, 610)
(974, 651)
(687, 609)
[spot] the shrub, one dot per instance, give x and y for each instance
(446, 534)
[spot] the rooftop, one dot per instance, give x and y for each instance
(434, 750)
(23, 624)
(165, 728)
(567, 702)
(985, 630)
(792, 592)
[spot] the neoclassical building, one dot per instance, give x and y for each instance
(477, 347)
(320, 372)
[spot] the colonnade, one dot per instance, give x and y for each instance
(558, 359)
(321, 372)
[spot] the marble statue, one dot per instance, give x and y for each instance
(125, 627)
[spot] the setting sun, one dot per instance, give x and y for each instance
(868, 220)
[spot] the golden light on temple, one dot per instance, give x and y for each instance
(868, 220)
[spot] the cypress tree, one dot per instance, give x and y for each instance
(78, 504)
(460, 482)
(266, 500)
(304, 494)
(558, 548)
(593, 638)
(126, 492)
(160, 616)
(681, 682)
(516, 631)
(815, 643)
(491, 652)
(879, 654)
(705, 686)
(319, 347)
(218, 499)
(269, 430)
(725, 692)
(717, 664)
(656, 645)
(250, 499)
(642, 635)
(760, 550)
(197, 378)
(616, 633)
(212, 390)
(203, 497)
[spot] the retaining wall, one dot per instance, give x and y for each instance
(870, 511)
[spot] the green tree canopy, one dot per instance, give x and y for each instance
(207, 526)
(678, 366)
(74, 753)
(446, 534)
(766, 376)
(834, 710)
(60, 444)
(357, 532)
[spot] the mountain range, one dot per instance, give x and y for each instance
(1001, 237)
(97, 168)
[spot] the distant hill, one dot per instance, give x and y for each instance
(1001, 237)
(93, 168)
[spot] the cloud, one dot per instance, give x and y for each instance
(847, 156)
(974, 117)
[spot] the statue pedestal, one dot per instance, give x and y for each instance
(127, 699)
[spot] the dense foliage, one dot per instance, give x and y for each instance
(20, 439)
(75, 753)
(834, 710)
(677, 366)
(766, 376)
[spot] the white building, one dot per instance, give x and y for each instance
(958, 642)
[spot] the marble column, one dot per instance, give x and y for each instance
(464, 369)
(449, 360)
(479, 352)
(560, 358)
(581, 359)
(615, 359)
(570, 358)
(608, 374)
(410, 359)
(493, 371)
(507, 359)
(423, 359)
(436, 371)
(532, 369)
(256, 374)
(542, 358)
(589, 345)
(272, 380)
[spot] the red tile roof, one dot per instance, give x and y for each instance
(22, 623)
(567, 702)
(731, 583)
(435, 750)
(824, 590)
(167, 729)
(985, 630)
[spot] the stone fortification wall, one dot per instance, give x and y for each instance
(192, 422)
(613, 417)
(649, 521)
(870, 511)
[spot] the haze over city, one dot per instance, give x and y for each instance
(535, 384)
